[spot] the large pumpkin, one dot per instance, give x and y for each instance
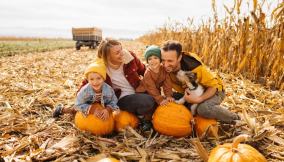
(102, 160)
(94, 124)
(124, 119)
(173, 120)
(108, 160)
(236, 152)
(205, 125)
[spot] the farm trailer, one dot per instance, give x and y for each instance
(87, 37)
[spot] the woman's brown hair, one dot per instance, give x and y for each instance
(104, 48)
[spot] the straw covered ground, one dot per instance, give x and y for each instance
(32, 84)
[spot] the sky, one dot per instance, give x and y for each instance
(116, 18)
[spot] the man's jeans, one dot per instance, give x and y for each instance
(211, 108)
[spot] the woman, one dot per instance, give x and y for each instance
(124, 70)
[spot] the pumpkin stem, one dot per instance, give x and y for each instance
(239, 139)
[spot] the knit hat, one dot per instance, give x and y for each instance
(97, 67)
(152, 51)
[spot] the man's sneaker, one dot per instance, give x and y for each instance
(145, 125)
(58, 111)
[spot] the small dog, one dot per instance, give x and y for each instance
(189, 79)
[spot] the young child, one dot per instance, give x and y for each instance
(156, 77)
(95, 91)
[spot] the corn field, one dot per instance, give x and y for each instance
(251, 46)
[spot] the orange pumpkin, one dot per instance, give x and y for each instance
(236, 152)
(203, 125)
(173, 120)
(94, 124)
(102, 160)
(108, 160)
(124, 119)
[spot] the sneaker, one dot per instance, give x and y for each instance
(236, 120)
(145, 125)
(238, 117)
(58, 111)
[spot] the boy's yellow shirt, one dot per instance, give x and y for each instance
(204, 77)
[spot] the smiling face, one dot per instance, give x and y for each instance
(171, 61)
(96, 81)
(154, 62)
(115, 55)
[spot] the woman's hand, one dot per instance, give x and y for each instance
(170, 99)
(164, 102)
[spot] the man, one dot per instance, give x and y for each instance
(209, 102)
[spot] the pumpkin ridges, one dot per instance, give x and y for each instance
(238, 157)
(218, 152)
(93, 124)
(180, 121)
(236, 151)
(227, 156)
(173, 120)
(124, 119)
(180, 126)
(98, 159)
(241, 155)
(108, 160)
(177, 108)
(179, 131)
(167, 116)
(82, 124)
(202, 124)
(249, 150)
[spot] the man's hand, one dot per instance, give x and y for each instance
(192, 98)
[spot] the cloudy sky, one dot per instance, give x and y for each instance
(117, 18)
